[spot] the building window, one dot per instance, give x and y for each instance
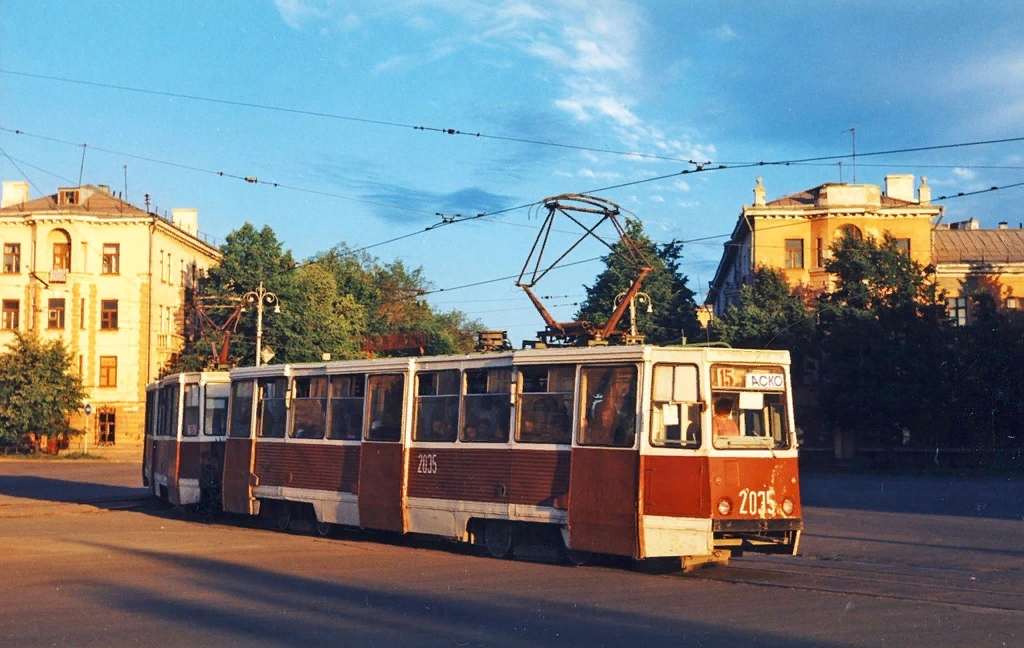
(794, 253)
(111, 258)
(851, 231)
(1013, 303)
(55, 314)
(10, 314)
(902, 245)
(108, 315)
(107, 420)
(108, 371)
(61, 256)
(819, 254)
(957, 309)
(67, 197)
(12, 258)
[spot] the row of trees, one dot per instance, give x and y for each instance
(328, 304)
(881, 356)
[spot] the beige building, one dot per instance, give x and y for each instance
(108, 279)
(794, 233)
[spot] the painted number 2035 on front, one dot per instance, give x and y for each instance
(758, 502)
(427, 464)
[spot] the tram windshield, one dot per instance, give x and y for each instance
(748, 407)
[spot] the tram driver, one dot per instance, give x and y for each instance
(722, 424)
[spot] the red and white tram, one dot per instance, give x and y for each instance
(617, 449)
(186, 425)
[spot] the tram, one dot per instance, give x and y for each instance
(637, 450)
(186, 427)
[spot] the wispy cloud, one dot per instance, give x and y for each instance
(964, 174)
(726, 33)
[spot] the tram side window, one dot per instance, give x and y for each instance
(676, 407)
(190, 415)
(609, 413)
(151, 413)
(241, 408)
(309, 408)
(216, 421)
(487, 406)
(169, 422)
(437, 405)
(346, 407)
(271, 410)
(546, 404)
(385, 392)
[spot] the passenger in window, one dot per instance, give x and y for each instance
(722, 424)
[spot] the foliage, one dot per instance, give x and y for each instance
(880, 328)
(768, 316)
(673, 310)
(327, 305)
(38, 392)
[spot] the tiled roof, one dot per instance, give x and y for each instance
(97, 202)
(982, 245)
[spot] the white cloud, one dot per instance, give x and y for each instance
(964, 174)
(657, 199)
(726, 33)
(681, 185)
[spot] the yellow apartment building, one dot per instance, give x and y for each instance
(793, 234)
(108, 279)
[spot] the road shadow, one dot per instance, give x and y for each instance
(253, 605)
(56, 490)
(997, 497)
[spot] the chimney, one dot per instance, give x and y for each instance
(924, 193)
(900, 186)
(759, 194)
(186, 220)
(1004, 225)
(14, 193)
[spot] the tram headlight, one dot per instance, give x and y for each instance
(724, 506)
(788, 506)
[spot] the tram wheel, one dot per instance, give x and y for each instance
(578, 558)
(276, 514)
(323, 529)
(499, 538)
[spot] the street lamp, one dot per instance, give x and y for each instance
(261, 296)
(637, 297)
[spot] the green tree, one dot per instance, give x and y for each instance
(674, 312)
(881, 329)
(769, 316)
(38, 392)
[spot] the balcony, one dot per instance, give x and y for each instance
(59, 275)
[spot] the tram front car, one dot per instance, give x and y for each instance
(723, 453)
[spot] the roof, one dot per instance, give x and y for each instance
(810, 198)
(95, 201)
(984, 245)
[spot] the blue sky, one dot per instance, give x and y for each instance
(321, 97)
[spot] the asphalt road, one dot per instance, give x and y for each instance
(886, 561)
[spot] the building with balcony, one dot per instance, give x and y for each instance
(109, 280)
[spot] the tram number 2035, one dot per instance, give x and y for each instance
(757, 502)
(427, 464)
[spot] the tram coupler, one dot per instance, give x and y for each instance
(717, 558)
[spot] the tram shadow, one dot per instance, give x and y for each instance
(27, 490)
(459, 605)
(995, 497)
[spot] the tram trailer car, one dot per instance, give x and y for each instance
(186, 427)
(615, 449)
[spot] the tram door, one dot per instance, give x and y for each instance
(239, 453)
(604, 473)
(382, 455)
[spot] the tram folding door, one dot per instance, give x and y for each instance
(382, 456)
(604, 473)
